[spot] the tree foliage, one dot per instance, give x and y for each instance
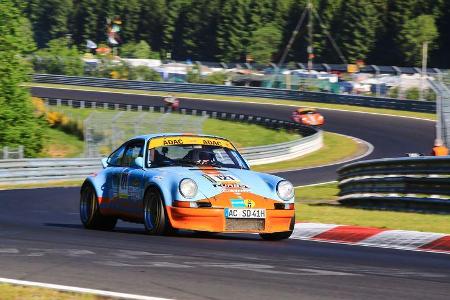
(264, 43)
(18, 124)
(414, 33)
(207, 30)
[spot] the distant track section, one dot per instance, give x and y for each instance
(391, 136)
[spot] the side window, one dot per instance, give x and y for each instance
(133, 150)
(115, 158)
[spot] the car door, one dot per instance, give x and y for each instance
(111, 188)
(131, 181)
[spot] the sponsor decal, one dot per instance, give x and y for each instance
(242, 203)
(123, 187)
(188, 140)
(221, 178)
(232, 187)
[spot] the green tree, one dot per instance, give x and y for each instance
(18, 125)
(59, 58)
(231, 31)
(264, 43)
(84, 21)
(357, 30)
(49, 19)
(137, 50)
(128, 11)
(415, 32)
(152, 20)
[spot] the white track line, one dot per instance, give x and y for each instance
(67, 288)
(237, 100)
(316, 184)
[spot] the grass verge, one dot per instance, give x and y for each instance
(62, 183)
(336, 148)
(317, 204)
(247, 99)
(60, 144)
(17, 292)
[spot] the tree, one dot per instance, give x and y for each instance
(231, 31)
(49, 18)
(264, 43)
(84, 21)
(414, 33)
(59, 58)
(18, 124)
(357, 30)
(152, 20)
(139, 50)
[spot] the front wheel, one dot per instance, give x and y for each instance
(90, 212)
(156, 221)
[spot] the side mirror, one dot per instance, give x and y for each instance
(139, 162)
(105, 162)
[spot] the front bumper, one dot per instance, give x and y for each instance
(213, 220)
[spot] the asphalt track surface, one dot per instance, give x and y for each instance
(391, 136)
(41, 239)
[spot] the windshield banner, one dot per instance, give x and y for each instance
(188, 140)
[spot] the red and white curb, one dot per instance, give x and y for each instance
(373, 237)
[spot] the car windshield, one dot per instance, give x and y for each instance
(195, 155)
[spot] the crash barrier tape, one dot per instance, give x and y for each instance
(44, 170)
(284, 94)
(413, 183)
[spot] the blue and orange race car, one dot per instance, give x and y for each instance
(190, 182)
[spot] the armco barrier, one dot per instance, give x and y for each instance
(414, 183)
(42, 170)
(409, 105)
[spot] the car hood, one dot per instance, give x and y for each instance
(214, 181)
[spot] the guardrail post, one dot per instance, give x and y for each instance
(5, 152)
(82, 104)
(70, 103)
(58, 102)
(116, 106)
(94, 105)
(139, 108)
(20, 152)
(105, 106)
(128, 107)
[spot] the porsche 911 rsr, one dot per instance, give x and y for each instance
(189, 182)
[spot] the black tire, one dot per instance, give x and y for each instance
(90, 213)
(156, 221)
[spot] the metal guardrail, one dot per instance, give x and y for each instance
(44, 170)
(412, 183)
(409, 105)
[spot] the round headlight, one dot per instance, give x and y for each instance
(285, 190)
(188, 188)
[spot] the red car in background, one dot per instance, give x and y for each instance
(308, 116)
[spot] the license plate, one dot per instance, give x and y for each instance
(245, 213)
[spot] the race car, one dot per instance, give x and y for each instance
(190, 182)
(308, 116)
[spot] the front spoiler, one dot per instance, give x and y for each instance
(213, 220)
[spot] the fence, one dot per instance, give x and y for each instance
(390, 103)
(8, 153)
(47, 170)
(411, 183)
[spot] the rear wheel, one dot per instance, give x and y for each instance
(156, 221)
(90, 212)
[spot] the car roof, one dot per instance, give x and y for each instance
(167, 134)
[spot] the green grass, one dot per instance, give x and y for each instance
(250, 99)
(336, 148)
(62, 183)
(18, 292)
(241, 134)
(317, 204)
(247, 135)
(60, 144)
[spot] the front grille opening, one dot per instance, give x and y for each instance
(245, 224)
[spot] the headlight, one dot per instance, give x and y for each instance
(188, 188)
(285, 190)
